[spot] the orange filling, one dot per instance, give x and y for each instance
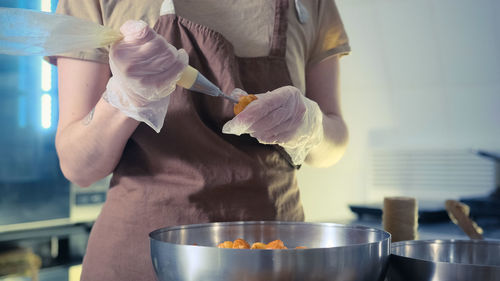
(243, 102)
(242, 244)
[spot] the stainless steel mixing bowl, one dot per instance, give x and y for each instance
(445, 260)
(334, 252)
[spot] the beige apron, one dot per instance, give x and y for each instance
(190, 172)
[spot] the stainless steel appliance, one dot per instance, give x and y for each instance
(33, 191)
(49, 203)
(335, 252)
(444, 260)
(40, 210)
(32, 188)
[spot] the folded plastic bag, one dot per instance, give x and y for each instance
(29, 32)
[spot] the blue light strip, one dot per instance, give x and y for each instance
(46, 80)
(46, 5)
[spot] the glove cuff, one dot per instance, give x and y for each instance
(312, 123)
(134, 106)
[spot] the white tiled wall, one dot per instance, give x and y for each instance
(422, 75)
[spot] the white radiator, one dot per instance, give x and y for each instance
(429, 173)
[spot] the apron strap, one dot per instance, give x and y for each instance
(167, 8)
(278, 45)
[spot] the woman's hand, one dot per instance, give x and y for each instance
(284, 117)
(145, 70)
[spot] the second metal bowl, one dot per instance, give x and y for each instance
(444, 260)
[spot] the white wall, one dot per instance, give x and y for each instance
(422, 75)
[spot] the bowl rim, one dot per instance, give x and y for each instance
(445, 241)
(386, 235)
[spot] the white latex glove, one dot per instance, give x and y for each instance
(145, 71)
(284, 117)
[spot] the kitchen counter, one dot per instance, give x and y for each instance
(427, 231)
(441, 230)
(56, 273)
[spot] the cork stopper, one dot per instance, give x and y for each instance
(400, 218)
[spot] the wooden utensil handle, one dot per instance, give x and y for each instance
(459, 214)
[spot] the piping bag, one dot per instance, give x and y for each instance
(26, 32)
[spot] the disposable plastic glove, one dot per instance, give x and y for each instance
(284, 117)
(145, 70)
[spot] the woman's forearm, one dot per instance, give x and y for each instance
(89, 149)
(333, 145)
(323, 87)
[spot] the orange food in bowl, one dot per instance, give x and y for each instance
(276, 244)
(240, 244)
(258, 245)
(243, 102)
(226, 244)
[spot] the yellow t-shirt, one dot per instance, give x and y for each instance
(248, 25)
